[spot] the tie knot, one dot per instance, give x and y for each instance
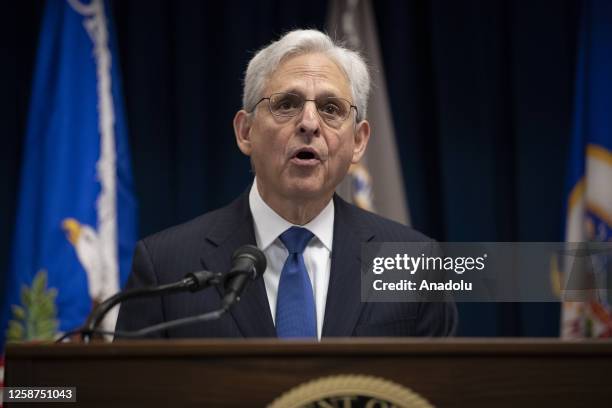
(295, 239)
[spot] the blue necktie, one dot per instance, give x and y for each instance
(295, 306)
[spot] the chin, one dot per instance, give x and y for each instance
(306, 188)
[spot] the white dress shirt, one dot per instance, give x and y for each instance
(317, 255)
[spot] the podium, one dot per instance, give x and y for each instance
(253, 373)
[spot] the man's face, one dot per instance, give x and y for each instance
(301, 157)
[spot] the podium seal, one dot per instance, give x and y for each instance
(350, 391)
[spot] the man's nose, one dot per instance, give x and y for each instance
(310, 122)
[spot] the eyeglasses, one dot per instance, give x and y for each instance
(333, 110)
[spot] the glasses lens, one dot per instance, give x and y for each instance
(286, 104)
(333, 109)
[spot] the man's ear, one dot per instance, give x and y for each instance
(362, 136)
(242, 131)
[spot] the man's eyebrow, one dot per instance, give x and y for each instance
(292, 90)
(324, 94)
(328, 94)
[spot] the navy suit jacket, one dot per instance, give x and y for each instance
(208, 242)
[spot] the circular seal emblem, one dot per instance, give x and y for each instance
(352, 391)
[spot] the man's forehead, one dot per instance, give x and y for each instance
(307, 71)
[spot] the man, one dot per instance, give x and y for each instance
(302, 124)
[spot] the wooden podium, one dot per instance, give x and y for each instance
(253, 373)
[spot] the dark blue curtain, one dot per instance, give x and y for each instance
(481, 94)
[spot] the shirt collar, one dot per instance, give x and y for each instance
(269, 225)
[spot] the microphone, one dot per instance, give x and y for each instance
(248, 263)
(192, 282)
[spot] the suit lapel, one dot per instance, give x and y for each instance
(344, 304)
(234, 229)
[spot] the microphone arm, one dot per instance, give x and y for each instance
(248, 264)
(215, 314)
(193, 282)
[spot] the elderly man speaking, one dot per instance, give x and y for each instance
(302, 125)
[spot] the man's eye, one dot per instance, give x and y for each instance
(286, 104)
(330, 109)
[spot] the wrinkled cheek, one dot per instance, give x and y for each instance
(342, 160)
(260, 166)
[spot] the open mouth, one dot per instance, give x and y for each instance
(305, 157)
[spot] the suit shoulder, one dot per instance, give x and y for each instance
(385, 230)
(186, 230)
(194, 230)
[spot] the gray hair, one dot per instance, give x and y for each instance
(298, 42)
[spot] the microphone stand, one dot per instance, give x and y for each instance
(192, 282)
(215, 314)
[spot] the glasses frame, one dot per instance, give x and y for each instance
(268, 98)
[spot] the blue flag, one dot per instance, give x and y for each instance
(589, 191)
(76, 216)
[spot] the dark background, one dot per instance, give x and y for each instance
(481, 93)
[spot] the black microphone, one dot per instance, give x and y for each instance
(192, 282)
(248, 263)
